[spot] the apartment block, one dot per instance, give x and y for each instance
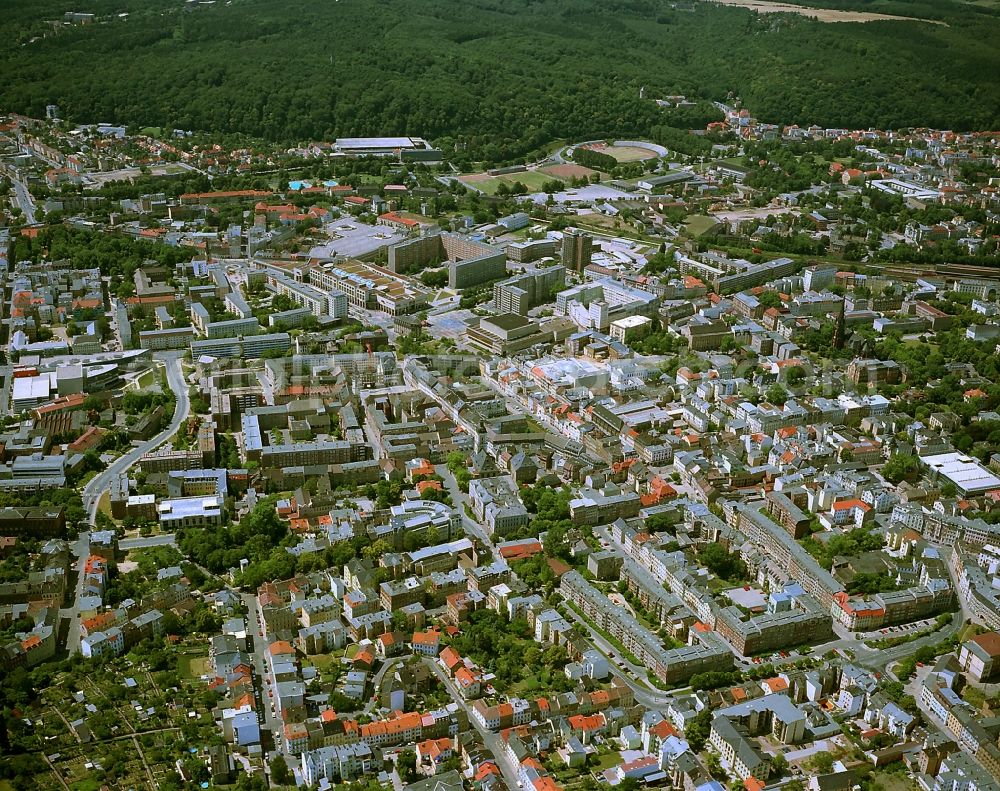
(247, 346)
(161, 340)
(793, 618)
(522, 292)
(577, 249)
(232, 328)
(309, 453)
(324, 303)
(980, 656)
(677, 665)
(470, 262)
(594, 507)
(530, 250)
(371, 287)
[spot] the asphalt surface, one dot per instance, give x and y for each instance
(491, 740)
(99, 484)
(268, 719)
(80, 549)
(25, 201)
(460, 499)
(635, 678)
(92, 492)
(163, 540)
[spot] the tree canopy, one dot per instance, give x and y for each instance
(496, 80)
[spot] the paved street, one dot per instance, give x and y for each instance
(268, 720)
(99, 484)
(882, 658)
(376, 681)
(6, 372)
(636, 677)
(175, 379)
(265, 386)
(80, 551)
(460, 499)
(491, 740)
(24, 200)
(166, 539)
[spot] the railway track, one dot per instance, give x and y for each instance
(911, 272)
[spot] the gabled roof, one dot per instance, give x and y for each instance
(989, 642)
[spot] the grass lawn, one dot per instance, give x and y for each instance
(969, 632)
(194, 667)
(608, 760)
(602, 221)
(525, 685)
(973, 696)
(6, 786)
(602, 225)
(890, 781)
(409, 215)
(931, 347)
(533, 180)
(323, 661)
(147, 379)
(698, 224)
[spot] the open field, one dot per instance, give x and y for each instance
(821, 14)
(891, 781)
(323, 661)
(567, 170)
(532, 179)
(98, 180)
(409, 215)
(623, 153)
(194, 667)
(526, 685)
(697, 224)
(597, 219)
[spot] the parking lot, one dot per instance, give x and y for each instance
(353, 239)
(586, 194)
(901, 630)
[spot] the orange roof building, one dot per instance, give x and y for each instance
(451, 659)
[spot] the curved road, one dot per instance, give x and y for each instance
(92, 492)
(99, 484)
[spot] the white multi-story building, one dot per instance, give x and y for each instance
(497, 505)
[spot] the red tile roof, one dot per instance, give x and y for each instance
(989, 642)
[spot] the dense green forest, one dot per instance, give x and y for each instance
(496, 79)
